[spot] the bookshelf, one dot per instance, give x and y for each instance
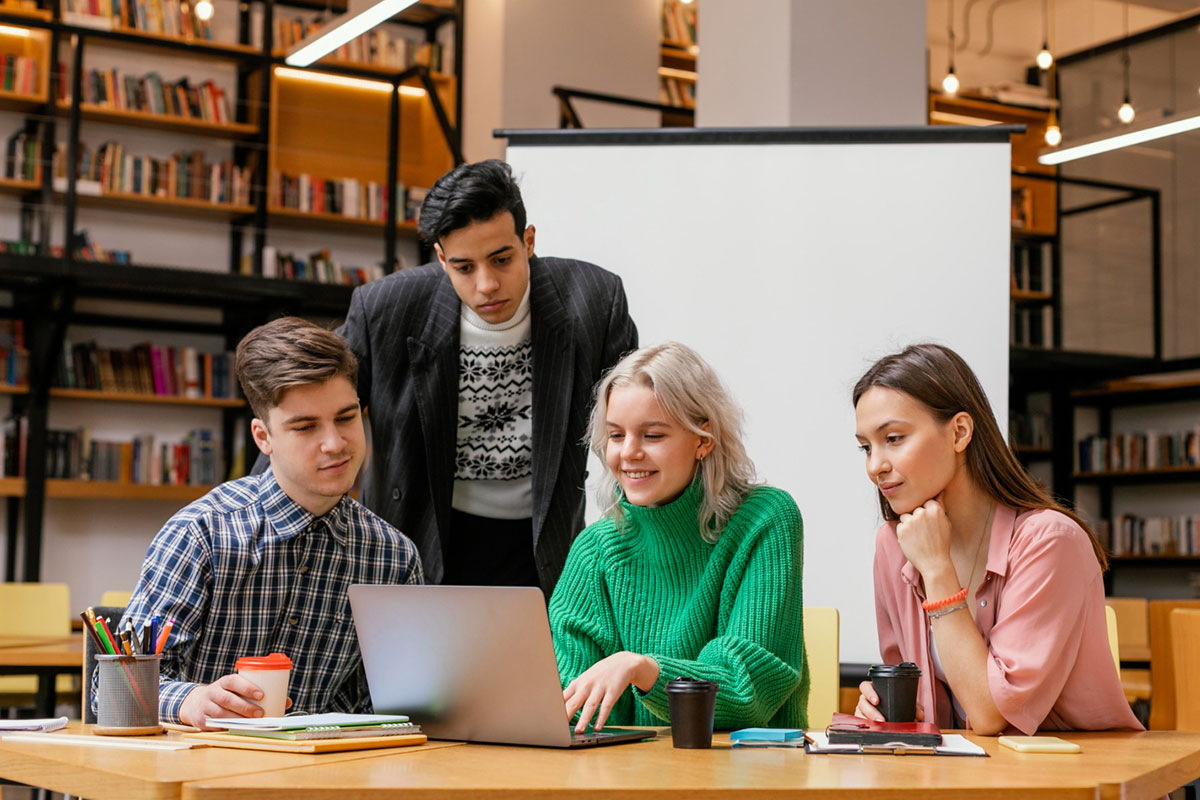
(677, 61)
(414, 138)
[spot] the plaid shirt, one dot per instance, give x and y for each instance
(245, 571)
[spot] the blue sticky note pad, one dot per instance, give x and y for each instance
(766, 735)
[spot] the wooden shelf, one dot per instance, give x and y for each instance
(109, 490)
(384, 71)
(1027, 296)
(1128, 391)
(308, 219)
(1160, 559)
(149, 399)
(163, 205)
(1032, 451)
(19, 101)
(1187, 473)
(8, 388)
(164, 122)
(28, 13)
(154, 39)
(18, 185)
(12, 487)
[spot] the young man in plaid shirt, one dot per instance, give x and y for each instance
(262, 564)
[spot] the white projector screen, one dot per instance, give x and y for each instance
(791, 260)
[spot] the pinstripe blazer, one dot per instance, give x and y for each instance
(404, 330)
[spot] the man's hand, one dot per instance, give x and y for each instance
(599, 688)
(228, 696)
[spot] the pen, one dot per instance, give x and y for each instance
(91, 629)
(125, 643)
(147, 635)
(162, 637)
(105, 645)
(112, 642)
(134, 645)
(155, 627)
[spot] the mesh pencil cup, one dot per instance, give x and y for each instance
(127, 695)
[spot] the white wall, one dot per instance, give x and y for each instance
(519, 49)
(791, 268)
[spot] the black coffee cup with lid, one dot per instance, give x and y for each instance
(896, 685)
(692, 703)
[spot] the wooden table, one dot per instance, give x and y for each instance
(47, 657)
(101, 773)
(1113, 765)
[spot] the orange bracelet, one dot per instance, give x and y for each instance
(957, 597)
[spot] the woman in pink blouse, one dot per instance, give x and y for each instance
(990, 587)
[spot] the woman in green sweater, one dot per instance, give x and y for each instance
(694, 570)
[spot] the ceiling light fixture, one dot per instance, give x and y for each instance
(1045, 58)
(1126, 113)
(950, 82)
(204, 10)
(1103, 143)
(360, 17)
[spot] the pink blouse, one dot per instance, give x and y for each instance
(1040, 610)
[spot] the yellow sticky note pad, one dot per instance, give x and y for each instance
(1039, 744)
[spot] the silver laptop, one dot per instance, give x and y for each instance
(469, 663)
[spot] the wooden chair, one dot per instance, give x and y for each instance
(1185, 650)
(1133, 633)
(824, 670)
(115, 597)
(33, 609)
(1110, 617)
(1162, 664)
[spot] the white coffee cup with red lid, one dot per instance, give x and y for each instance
(271, 674)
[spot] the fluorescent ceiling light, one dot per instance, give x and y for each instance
(1102, 143)
(359, 18)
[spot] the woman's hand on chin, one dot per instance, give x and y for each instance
(924, 537)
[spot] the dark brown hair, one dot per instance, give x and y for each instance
(290, 352)
(938, 378)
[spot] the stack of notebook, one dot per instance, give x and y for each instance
(314, 733)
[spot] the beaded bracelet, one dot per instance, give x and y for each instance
(957, 597)
(935, 614)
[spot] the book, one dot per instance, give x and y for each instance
(297, 722)
(335, 731)
(953, 744)
(848, 729)
(767, 735)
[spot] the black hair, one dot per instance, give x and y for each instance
(470, 193)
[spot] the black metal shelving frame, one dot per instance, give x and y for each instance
(45, 287)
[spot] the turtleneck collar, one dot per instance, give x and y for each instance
(469, 315)
(677, 519)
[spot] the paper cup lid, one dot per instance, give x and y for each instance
(273, 661)
(906, 669)
(688, 685)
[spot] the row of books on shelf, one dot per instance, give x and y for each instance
(1032, 327)
(319, 267)
(77, 455)
(1031, 262)
(1029, 429)
(679, 21)
(378, 46)
(186, 174)
(1131, 452)
(23, 154)
(14, 357)
(676, 92)
(147, 369)
(150, 93)
(168, 17)
(20, 73)
(1132, 535)
(345, 197)
(85, 250)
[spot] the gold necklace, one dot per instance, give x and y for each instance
(982, 535)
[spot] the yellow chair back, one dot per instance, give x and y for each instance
(1185, 647)
(824, 672)
(33, 609)
(114, 597)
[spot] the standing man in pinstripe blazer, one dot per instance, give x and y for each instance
(477, 373)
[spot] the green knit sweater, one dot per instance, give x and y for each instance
(728, 612)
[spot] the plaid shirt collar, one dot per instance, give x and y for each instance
(287, 519)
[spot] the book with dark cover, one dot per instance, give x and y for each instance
(847, 729)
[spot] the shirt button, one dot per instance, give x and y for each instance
(983, 603)
(395, 494)
(303, 569)
(293, 620)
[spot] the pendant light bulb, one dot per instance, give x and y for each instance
(950, 82)
(1045, 58)
(1126, 113)
(204, 10)
(1053, 135)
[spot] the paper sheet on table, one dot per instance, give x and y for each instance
(953, 744)
(48, 724)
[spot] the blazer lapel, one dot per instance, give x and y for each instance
(553, 385)
(434, 358)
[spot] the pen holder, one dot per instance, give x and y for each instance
(127, 695)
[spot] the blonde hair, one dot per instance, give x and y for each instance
(691, 393)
